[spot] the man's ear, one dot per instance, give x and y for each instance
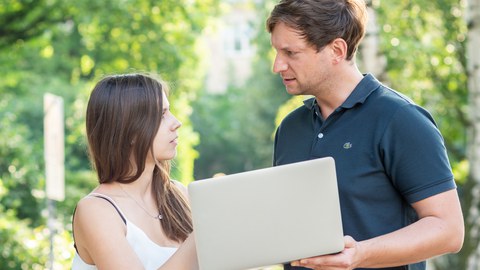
(339, 50)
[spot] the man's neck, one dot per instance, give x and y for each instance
(342, 86)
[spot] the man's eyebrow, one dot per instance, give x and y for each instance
(291, 48)
(284, 48)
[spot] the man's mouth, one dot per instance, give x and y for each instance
(288, 79)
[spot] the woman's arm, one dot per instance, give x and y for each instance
(185, 258)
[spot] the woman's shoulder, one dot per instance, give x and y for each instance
(96, 207)
(95, 217)
(98, 228)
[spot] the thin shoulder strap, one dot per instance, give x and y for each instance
(108, 199)
(112, 202)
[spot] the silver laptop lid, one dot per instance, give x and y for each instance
(267, 216)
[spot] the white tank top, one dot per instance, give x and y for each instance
(150, 254)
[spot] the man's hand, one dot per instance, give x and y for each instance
(347, 259)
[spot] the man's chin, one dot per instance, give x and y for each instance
(293, 91)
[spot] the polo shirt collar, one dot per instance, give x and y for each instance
(361, 92)
(310, 103)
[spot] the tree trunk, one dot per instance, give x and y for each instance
(371, 59)
(472, 215)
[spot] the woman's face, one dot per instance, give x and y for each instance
(166, 139)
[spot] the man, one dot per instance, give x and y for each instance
(397, 193)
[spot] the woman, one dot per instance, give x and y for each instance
(137, 217)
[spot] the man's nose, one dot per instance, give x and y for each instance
(279, 65)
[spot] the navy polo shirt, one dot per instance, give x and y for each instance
(388, 154)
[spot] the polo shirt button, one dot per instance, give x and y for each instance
(320, 135)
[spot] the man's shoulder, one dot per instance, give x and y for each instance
(375, 90)
(391, 96)
(385, 102)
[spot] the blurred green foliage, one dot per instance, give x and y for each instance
(236, 128)
(63, 47)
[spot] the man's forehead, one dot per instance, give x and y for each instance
(287, 38)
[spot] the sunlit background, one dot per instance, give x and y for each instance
(217, 59)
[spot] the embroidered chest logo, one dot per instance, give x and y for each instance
(347, 145)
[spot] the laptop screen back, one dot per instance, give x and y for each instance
(267, 216)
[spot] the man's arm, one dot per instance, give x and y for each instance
(439, 230)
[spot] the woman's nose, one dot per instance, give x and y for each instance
(177, 124)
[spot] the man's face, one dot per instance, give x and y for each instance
(303, 69)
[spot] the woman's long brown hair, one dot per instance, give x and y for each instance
(123, 116)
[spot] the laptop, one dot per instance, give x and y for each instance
(268, 216)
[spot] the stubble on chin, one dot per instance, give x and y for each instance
(294, 91)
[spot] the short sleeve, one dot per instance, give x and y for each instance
(414, 154)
